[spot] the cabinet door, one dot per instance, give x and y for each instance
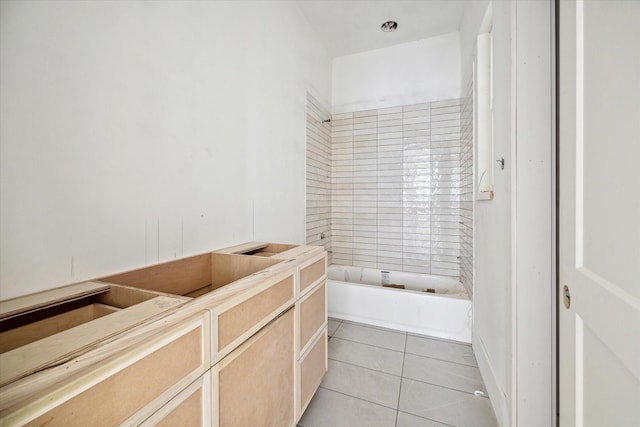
(236, 320)
(126, 387)
(312, 272)
(313, 366)
(312, 309)
(254, 385)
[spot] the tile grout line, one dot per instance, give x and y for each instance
(401, 378)
(356, 397)
(365, 367)
(444, 386)
(443, 360)
(364, 343)
(425, 418)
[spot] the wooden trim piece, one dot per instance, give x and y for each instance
(125, 296)
(239, 249)
(190, 407)
(226, 268)
(300, 253)
(29, 303)
(312, 368)
(52, 349)
(25, 334)
(261, 372)
(312, 272)
(127, 384)
(241, 318)
(177, 277)
(313, 314)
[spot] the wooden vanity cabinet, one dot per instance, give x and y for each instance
(126, 387)
(229, 338)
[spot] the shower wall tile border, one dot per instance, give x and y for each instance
(318, 175)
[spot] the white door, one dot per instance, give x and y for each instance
(599, 221)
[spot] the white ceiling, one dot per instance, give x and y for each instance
(351, 26)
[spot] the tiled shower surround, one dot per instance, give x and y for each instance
(396, 185)
(393, 188)
(467, 193)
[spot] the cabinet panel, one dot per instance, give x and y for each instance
(311, 273)
(127, 384)
(313, 314)
(252, 313)
(190, 408)
(313, 366)
(254, 385)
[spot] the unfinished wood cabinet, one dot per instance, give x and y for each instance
(125, 387)
(235, 337)
(236, 312)
(36, 332)
(254, 385)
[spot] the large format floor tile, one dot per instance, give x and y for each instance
(443, 350)
(368, 356)
(445, 405)
(373, 336)
(383, 378)
(446, 374)
(408, 420)
(367, 384)
(331, 409)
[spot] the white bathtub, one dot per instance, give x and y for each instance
(357, 294)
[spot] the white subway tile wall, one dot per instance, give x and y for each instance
(396, 188)
(318, 174)
(393, 188)
(466, 190)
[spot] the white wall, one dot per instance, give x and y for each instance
(535, 349)
(493, 238)
(513, 335)
(409, 73)
(471, 22)
(138, 132)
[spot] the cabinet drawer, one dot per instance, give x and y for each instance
(313, 314)
(238, 320)
(190, 408)
(313, 365)
(126, 387)
(311, 273)
(254, 385)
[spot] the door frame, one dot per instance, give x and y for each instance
(534, 227)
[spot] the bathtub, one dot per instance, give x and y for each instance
(357, 294)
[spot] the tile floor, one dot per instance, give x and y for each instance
(383, 378)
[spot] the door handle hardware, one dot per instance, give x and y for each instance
(566, 296)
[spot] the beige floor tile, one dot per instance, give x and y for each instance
(331, 409)
(377, 358)
(443, 350)
(372, 336)
(439, 372)
(445, 405)
(373, 386)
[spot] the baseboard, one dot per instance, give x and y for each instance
(498, 397)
